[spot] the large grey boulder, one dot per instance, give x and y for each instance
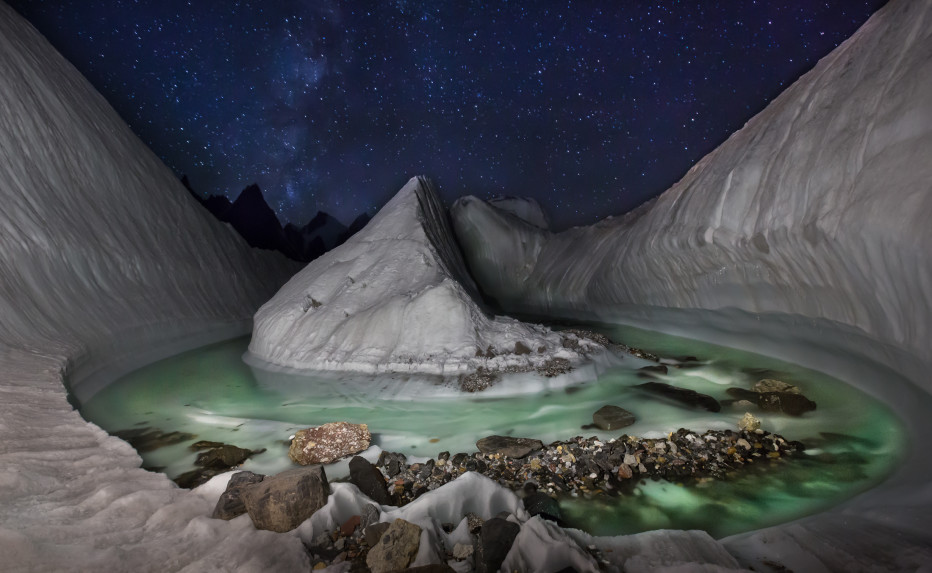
(282, 502)
(396, 549)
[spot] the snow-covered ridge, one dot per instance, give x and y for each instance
(105, 262)
(397, 297)
(819, 206)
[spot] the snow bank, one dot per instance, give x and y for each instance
(807, 234)
(105, 262)
(396, 297)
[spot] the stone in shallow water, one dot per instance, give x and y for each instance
(682, 395)
(223, 457)
(788, 403)
(610, 417)
(772, 385)
(282, 502)
(396, 548)
(328, 443)
(508, 446)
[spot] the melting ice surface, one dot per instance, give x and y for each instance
(853, 441)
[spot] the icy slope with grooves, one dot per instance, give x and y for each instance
(807, 233)
(819, 206)
(396, 297)
(105, 261)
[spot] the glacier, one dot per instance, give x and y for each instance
(805, 236)
(106, 262)
(396, 297)
(805, 231)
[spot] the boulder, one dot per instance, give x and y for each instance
(508, 446)
(231, 504)
(495, 540)
(282, 502)
(396, 548)
(612, 417)
(682, 395)
(786, 402)
(222, 457)
(369, 480)
(328, 443)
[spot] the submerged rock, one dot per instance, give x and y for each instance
(149, 439)
(328, 443)
(218, 458)
(508, 446)
(396, 548)
(223, 457)
(282, 502)
(773, 385)
(682, 395)
(610, 417)
(787, 402)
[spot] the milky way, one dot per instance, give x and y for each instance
(590, 107)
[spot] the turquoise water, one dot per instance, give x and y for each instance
(853, 440)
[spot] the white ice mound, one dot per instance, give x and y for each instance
(820, 206)
(396, 297)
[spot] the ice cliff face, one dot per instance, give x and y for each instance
(819, 206)
(395, 297)
(806, 232)
(104, 260)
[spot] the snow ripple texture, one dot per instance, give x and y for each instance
(816, 214)
(396, 297)
(104, 258)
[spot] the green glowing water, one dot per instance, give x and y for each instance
(853, 440)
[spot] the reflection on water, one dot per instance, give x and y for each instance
(852, 440)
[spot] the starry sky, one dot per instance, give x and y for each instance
(589, 107)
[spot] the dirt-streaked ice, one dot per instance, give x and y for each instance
(396, 297)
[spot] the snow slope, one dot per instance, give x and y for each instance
(105, 262)
(807, 232)
(819, 206)
(396, 297)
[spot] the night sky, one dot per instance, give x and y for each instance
(590, 107)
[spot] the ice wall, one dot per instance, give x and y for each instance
(105, 260)
(396, 297)
(819, 206)
(807, 233)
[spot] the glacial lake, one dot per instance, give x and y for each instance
(853, 442)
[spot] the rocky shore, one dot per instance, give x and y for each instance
(588, 467)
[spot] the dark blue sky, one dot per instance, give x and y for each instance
(590, 107)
